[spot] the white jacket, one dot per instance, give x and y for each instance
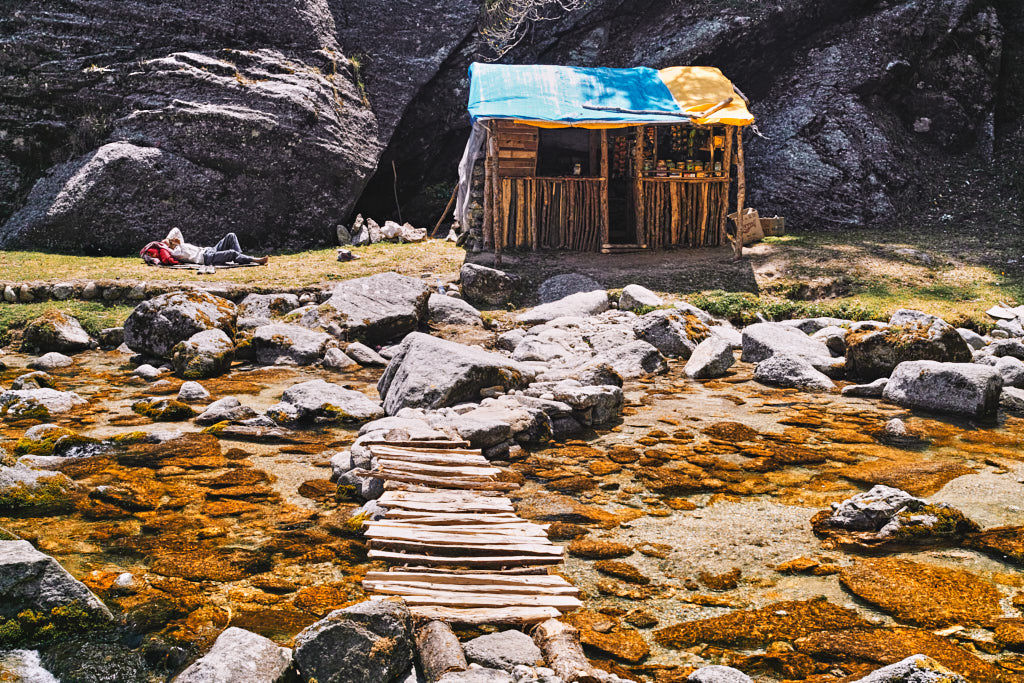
(184, 252)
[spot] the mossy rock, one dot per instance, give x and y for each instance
(31, 626)
(56, 441)
(164, 410)
(50, 495)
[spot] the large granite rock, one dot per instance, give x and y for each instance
(428, 372)
(242, 117)
(378, 308)
(227, 409)
(205, 354)
(369, 641)
(283, 344)
(763, 340)
(31, 580)
(260, 309)
(875, 353)
(871, 510)
(451, 311)
(711, 358)
(483, 285)
(317, 401)
(913, 669)
(157, 325)
(674, 333)
(239, 656)
(575, 305)
(635, 297)
(959, 388)
(633, 360)
(784, 370)
(38, 402)
(55, 331)
(560, 286)
(504, 650)
(716, 673)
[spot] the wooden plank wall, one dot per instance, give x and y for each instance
(682, 214)
(517, 149)
(553, 213)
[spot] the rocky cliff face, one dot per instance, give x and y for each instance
(121, 120)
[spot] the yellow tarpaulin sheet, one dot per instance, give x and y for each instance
(699, 88)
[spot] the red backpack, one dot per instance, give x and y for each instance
(157, 254)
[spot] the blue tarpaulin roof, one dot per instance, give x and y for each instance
(558, 94)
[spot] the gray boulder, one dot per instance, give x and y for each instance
(378, 308)
(503, 650)
(871, 390)
(451, 311)
(1012, 399)
(872, 510)
(318, 401)
(783, 370)
(629, 361)
(56, 331)
(24, 402)
(699, 313)
(432, 373)
(205, 354)
(267, 306)
(149, 372)
(973, 339)
(283, 344)
(31, 580)
(508, 341)
(959, 388)
(21, 477)
(483, 285)
(763, 340)
(591, 405)
(335, 359)
(717, 673)
(239, 656)
(913, 669)
(729, 334)
(915, 336)
(812, 325)
(575, 305)
(192, 392)
(711, 358)
(364, 355)
(672, 332)
(478, 675)
(1012, 371)
(32, 380)
(834, 338)
(157, 325)
(227, 409)
(634, 297)
(51, 361)
(1007, 347)
(560, 286)
(369, 641)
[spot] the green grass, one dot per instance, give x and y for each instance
(301, 269)
(93, 315)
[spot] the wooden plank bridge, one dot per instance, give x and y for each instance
(457, 550)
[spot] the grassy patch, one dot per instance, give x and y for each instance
(93, 315)
(435, 257)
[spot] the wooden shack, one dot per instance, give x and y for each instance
(594, 159)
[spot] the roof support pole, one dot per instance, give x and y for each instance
(638, 194)
(741, 196)
(605, 187)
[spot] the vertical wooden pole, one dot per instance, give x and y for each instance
(638, 199)
(741, 195)
(605, 187)
(727, 172)
(488, 181)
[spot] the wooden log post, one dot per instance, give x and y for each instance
(723, 236)
(560, 645)
(605, 189)
(439, 651)
(638, 200)
(499, 242)
(490, 168)
(741, 196)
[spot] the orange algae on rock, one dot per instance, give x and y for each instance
(786, 621)
(923, 594)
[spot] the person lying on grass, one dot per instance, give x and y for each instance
(228, 250)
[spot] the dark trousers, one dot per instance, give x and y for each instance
(226, 251)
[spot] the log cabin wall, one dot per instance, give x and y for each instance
(531, 212)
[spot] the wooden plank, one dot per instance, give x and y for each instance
(509, 616)
(435, 496)
(498, 527)
(472, 560)
(435, 458)
(419, 517)
(459, 544)
(425, 588)
(441, 445)
(494, 600)
(443, 536)
(479, 578)
(452, 470)
(463, 483)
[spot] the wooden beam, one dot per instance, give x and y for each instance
(741, 196)
(605, 187)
